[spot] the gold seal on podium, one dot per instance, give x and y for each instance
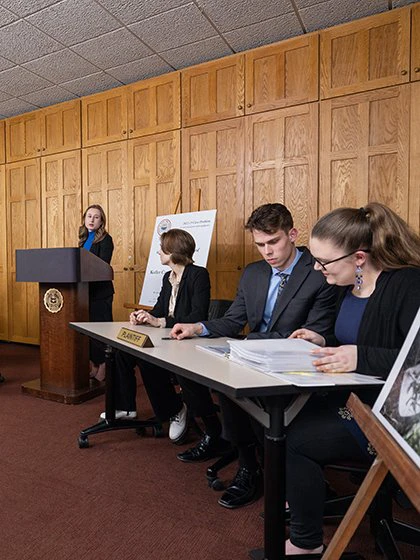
(53, 300)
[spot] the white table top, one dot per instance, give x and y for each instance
(182, 357)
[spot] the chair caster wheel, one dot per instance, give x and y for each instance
(158, 431)
(216, 484)
(83, 442)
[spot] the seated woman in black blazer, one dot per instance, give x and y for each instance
(184, 297)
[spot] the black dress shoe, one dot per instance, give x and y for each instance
(207, 448)
(245, 488)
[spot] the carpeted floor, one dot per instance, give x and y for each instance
(125, 497)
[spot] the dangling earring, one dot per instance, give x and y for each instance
(359, 278)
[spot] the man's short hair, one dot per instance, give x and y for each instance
(269, 218)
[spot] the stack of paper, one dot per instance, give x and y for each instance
(274, 355)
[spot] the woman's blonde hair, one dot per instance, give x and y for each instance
(391, 242)
(99, 233)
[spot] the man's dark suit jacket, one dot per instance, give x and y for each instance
(306, 301)
(192, 302)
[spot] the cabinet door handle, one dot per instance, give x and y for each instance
(125, 268)
(131, 130)
(249, 104)
(131, 267)
(239, 268)
(417, 69)
(240, 107)
(124, 132)
(403, 72)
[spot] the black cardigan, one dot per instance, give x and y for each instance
(103, 249)
(386, 320)
(192, 302)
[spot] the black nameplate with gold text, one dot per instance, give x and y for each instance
(134, 337)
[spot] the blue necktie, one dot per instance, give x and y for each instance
(283, 281)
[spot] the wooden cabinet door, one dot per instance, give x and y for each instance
(364, 150)
(367, 54)
(282, 75)
(2, 141)
(23, 137)
(415, 42)
(213, 177)
(3, 258)
(104, 117)
(281, 165)
(154, 105)
(61, 199)
(23, 232)
(60, 127)
(213, 91)
(154, 179)
(414, 192)
(105, 183)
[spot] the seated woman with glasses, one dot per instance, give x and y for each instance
(374, 255)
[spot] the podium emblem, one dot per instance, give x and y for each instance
(53, 300)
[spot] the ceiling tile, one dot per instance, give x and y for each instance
(92, 84)
(6, 17)
(4, 96)
(239, 13)
(21, 42)
(174, 28)
(48, 96)
(334, 12)
(195, 53)
(113, 49)
(264, 32)
(18, 81)
(74, 21)
(25, 7)
(15, 107)
(136, 10)
(4, 64)
(140, 69)
(61, 67)
(399, 3)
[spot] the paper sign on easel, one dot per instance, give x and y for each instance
(199, 224)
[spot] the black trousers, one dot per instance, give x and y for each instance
(100, 310)
(238, 426)
(315, 438)
(166, 402)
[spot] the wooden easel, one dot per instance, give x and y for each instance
(391, 458)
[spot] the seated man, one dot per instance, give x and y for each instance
(277, 295)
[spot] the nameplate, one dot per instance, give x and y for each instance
(133, 337)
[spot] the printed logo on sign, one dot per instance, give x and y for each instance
(53, 300)
(164, 225)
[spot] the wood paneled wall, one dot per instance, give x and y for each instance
(327, 119)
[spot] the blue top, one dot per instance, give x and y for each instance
(349, 318)
(273, 288)
(88, 243)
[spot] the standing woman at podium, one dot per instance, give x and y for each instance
(94, 238)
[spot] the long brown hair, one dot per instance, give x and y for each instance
(99, 233)
(391, 242)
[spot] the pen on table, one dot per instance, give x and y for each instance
(167, 338)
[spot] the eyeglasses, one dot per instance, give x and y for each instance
(324, 264)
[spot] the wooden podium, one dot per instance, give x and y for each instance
(63, 275)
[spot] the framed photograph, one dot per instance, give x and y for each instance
(398, 404)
